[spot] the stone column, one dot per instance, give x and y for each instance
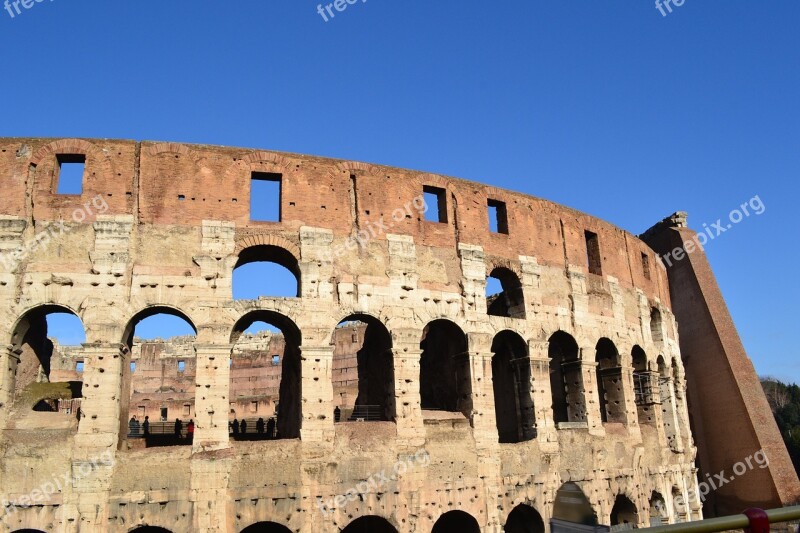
(542, 394)
(670, 414)
(410, 427)
(317, 394)
(631, 411)
(8, 366)
(101, 426)
(408, 402)
(484, 419)
(588, 371)
(212, 396)
(679, 386)
(101, 423)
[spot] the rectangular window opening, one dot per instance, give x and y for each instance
(187, 408)
(79, 366)
(498, 217)
(70, 173)
(436, 204)
(593, 253)
(646, 265)
(265, 196)
(133, 367)
(181, 366)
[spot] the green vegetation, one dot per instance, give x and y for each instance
(785, 403)
(36, 392)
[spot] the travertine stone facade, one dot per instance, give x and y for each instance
(160, 227)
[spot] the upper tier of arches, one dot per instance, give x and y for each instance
(184, 185)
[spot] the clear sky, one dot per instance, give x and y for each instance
(603, 105)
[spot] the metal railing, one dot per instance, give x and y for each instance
(360, 413)
(157, 429)
(754, 520)
(251, 429)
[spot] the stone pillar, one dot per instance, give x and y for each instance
(473, 268)
(8, 366)
(212, 396)
(101, 423)
(541, 388)
(542, 397)
(317, 394)
(484, 420)
(631, 412)
(679, 386)
(588, 372)
(670, 414)
(410, 428)
(101, 426)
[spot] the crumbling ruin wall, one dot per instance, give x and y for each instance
(161, 226)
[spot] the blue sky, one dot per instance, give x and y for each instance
(602, 105)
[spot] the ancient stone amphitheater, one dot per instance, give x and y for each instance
(486, 409)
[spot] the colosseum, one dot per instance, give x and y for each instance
(395, 393)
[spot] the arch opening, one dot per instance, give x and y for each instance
(572, 506)
(444, 369)
(524, 519)
(150, 529)
(456, 522)
(566, 379)
(511, 380)
(370, 524)
(158, 379)
(265, 374)
(46, 376)
(656, 331)
(504, 295)
(265, 271)
(363, 370)
(659, 515)
(266, 527)
(609, 382)
(624, 514)
(643, 387)
(680, 506)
